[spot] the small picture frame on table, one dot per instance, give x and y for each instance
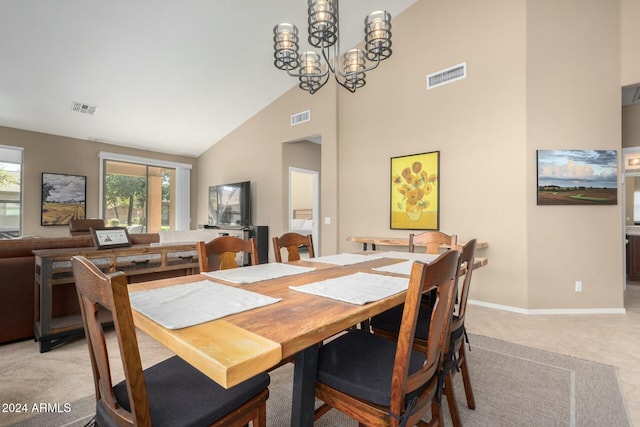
(111, 237)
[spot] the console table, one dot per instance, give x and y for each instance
(138, 262)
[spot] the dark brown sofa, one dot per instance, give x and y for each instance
(17, 282)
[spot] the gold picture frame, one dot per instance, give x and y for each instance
(415, 192)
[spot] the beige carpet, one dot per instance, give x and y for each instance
(513, 385)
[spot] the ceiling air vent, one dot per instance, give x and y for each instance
(83, 108)
(451, 74)
(296, 119)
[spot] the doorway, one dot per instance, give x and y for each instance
(630, 199)
(304, 203)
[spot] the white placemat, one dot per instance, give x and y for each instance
(343, 259)
(407, 255)
(179, 306)
(358, 288)
(256, 273)
(405, 266)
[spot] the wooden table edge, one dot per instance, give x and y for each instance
(221, 367)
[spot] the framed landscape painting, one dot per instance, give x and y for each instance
(577, 177)
(415, 193)
(63, 198)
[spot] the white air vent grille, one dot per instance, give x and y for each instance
(449, 75)
(296, 119)
(83, 108)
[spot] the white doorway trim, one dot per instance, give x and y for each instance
(315, 216)
(629, 152)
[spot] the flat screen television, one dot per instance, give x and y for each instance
(230, 205)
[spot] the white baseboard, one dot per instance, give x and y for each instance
(548, 310)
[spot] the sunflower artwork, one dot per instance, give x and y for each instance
(414, 191)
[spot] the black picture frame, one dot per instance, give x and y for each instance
(111, 237)
(64, 197)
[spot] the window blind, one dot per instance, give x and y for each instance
(10, 154)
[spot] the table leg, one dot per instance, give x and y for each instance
(304, 387)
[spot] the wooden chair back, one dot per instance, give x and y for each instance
(97, 293)
(433, 240)
(292, 242)
(440, 275)
(226, 249)
(467, 260)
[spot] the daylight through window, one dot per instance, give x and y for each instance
(10, 192)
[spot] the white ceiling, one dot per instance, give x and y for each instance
(166, 75)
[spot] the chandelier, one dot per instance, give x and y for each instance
(350, 69)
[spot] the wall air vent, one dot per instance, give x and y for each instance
(83, 108)
(296, 119)
(443, 77)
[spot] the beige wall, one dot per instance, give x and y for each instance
(630, 37)
(573, 102)
(301, 190)
(477, 124)
(56, 154)
(541, 74)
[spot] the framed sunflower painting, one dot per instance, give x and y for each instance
(415, 194)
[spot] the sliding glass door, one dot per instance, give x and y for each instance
(138, 196)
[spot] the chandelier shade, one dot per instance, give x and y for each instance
(350, 68)
(285, 43)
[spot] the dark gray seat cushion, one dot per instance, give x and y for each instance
(361, 364)
(180, 395)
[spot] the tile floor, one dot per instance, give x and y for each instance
(64, 374)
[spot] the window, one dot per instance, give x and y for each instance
(10, 192)
(144, 195)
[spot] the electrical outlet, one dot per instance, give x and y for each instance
(578, 286)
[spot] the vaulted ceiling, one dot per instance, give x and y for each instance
(165, 75)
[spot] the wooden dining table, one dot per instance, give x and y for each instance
(234, 348)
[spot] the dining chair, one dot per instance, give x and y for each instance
(292, 242)
(433, 240)
(226, 248)
(385, 325)
(380, 382)
(170, 393)
(82, 227)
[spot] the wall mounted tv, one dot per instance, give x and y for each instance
(230, 205)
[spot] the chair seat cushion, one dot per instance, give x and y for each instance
(180, 395)
(360, 364)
